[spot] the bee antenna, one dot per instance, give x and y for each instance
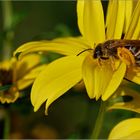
(84, 51)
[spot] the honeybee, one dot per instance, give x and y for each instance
(113, 48)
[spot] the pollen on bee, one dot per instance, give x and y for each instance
(114, 63)
(126, 56)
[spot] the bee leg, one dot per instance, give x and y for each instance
(112, 61)
(115, 65)
(99, 62)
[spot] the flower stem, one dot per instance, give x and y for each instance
(99, 122)
(7, 27)
(6, 126)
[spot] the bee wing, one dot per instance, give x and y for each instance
(110, 44)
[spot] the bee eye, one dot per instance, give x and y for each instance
(98, 52)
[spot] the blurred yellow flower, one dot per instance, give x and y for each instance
(100, 78)
(17, 75)
(127, 129)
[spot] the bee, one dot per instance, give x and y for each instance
(126, 50)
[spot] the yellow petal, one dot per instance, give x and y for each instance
(134, 135)
(111, 18)
(94, 77)
(136, 33)
(56, 79)
(134, 23)
(65, 46)
(133, 74)
(6, 64)
(89, 76)
(80, 11)
(109, 10)
(128, 14)
(115, 20)
(116, 78)
(129, 99)
(93, 22)
(100, 79)
(25, 65)
(126, 129)
(24, 83)
(29, 77)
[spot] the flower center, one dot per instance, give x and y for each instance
(6, 77)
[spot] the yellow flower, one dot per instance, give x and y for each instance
(101, 77)
(127, 129)
(17, 75)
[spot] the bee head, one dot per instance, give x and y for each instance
(98, 53)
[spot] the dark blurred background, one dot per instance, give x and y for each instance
(42, 20)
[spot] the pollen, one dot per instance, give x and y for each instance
(126, 56)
